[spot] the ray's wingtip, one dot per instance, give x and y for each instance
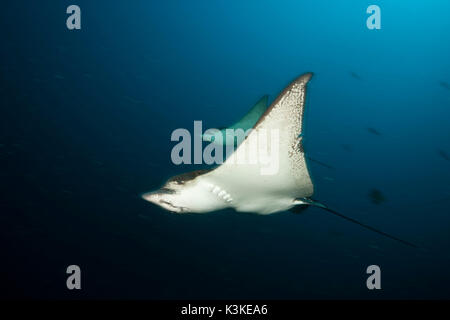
(308, 76)
(304, 78)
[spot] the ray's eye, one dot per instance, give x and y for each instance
(167, 190)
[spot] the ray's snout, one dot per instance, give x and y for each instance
(165, 198)
(152, 196)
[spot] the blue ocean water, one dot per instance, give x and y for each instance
(86, 119)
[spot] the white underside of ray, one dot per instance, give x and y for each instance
(253, 186)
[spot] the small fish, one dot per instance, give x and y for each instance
(444, 85)
(374, 131)
(347, 147)
(320, 163)
(61, 49)
(98, 163)
(355, 75)
(443, 154)
(153, 164)
(121, 189)
(375, 247)
(145, 217)
(376, 196)
(67, 192)
(334, 233)
(136, 101)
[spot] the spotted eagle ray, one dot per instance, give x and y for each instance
(240, 185)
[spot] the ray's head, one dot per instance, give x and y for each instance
(169, 197)
(175, 196)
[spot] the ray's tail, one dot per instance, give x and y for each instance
(320, 205)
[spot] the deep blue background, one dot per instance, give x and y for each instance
(85, 125)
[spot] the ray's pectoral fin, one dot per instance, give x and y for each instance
(247, 122)
(311, 202)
